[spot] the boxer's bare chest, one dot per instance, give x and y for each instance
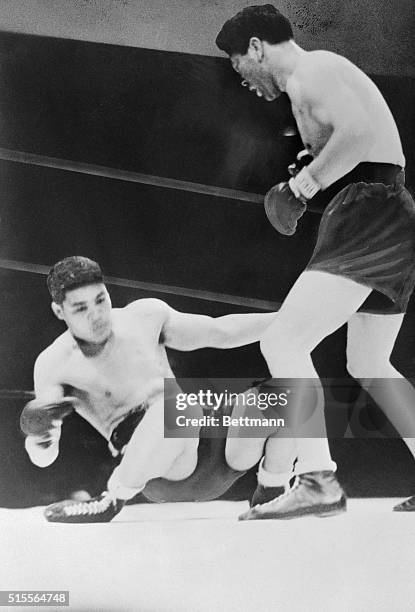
(346, 97)
(128, 369)
(314, 134)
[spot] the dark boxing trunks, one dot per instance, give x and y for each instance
(211, 478)
(367, 234)
(125, 429)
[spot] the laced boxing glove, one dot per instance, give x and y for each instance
(286, 202)
(39, 419)
(41, 423)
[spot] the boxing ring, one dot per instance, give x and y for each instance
(184, 557)
(198, 558)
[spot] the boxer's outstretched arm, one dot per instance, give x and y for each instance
(187, 332)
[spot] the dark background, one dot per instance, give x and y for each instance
(173, 115)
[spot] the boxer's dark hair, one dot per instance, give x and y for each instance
(265, 22)
(71, 273)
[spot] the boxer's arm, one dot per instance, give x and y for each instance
(187, 332)
(43, 448)
(334, 106)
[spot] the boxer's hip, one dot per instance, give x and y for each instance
(365, 172)
(122, 433)
(212, 476)
(367, 233)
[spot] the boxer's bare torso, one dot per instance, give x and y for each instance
(113, 361)
(127, 371)
(127, 363)
(341, 115)
(329, 96)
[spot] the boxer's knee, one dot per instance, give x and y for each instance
(139, 465)
(185, 464)
(282, 341)
(363, 363)
(243, 453)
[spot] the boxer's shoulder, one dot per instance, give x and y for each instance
(316, 68)
(142, 317)
(146, 308)
(322, 60)
(56, 354)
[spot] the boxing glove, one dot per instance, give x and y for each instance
(39, 419)
(286, 203)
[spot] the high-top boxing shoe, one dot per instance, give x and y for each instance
(408, 505)
(100, 509)
(262, 494)
(313, 493)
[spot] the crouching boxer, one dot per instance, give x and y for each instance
(364, 258)
(109, 366)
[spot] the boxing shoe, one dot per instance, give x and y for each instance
(100, 509)
(408, 505)
(313, 493)
(262, 494)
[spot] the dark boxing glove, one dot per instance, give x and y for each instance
(39, 419)
(285, 203)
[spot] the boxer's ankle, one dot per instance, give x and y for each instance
(118, 490)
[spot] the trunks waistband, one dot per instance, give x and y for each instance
(369, 172)
(125, 429)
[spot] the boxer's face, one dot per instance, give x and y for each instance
(253, 69)
(87, 312)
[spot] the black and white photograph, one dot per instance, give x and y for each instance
(207, 308)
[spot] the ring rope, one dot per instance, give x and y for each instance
(131, 176)
(19, 394)
(198, 294)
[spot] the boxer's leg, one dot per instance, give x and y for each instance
(242, 453)
(317, 305)
(370, 341)
(275, 469)
(148, 455)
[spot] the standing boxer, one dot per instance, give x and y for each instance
(365, 250)
(110, 365)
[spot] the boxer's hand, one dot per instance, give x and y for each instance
(303, 158)
(43, 450)
(285, 203)
(43, 420)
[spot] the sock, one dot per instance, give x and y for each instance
(272, 479)
(118, 490)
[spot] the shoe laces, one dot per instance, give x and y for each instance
(97, 506)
